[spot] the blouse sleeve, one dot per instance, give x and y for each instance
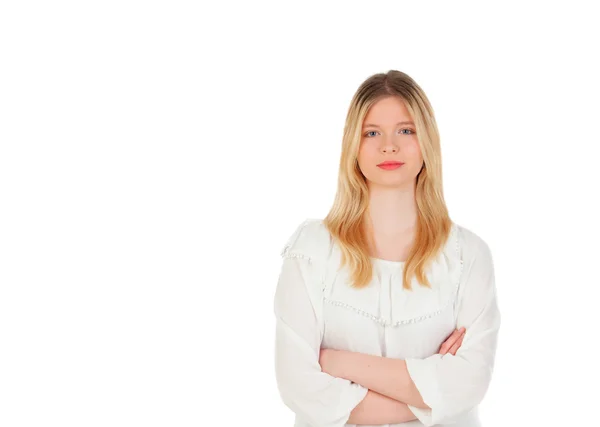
(451, 385)
(314, 396)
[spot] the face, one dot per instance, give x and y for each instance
(389, 134)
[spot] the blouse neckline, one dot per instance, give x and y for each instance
(387, 262)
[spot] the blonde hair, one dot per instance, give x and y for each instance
(345, 221)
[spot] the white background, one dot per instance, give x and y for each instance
(155, 156)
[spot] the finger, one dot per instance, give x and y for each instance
(457, 345)
(446, 345)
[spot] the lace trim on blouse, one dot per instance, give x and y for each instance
(286, 253)
(385, 322)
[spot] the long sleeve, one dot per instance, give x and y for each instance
(452, 385)
(316, 397)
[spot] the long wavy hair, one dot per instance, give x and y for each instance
(346, 219)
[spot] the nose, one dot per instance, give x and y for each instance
(389, 146)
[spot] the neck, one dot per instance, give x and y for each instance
(392, 210)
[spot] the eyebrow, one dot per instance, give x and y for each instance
(399, 123)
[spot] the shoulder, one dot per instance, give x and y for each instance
(309, 239)
(472, 245)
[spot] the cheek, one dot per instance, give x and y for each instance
(413, 144)
(366, 153)
(413, 150)
(363, 155)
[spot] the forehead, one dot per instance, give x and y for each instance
(387, 112)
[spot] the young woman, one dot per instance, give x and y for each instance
(386, 309)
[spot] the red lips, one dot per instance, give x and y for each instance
(390, 163)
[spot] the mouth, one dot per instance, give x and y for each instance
(389, 165)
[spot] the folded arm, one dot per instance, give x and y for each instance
(377, 409)
(439, 388)
(384, 375)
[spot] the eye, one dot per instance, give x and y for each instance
(411, 132)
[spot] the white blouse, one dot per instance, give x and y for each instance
(316, 308)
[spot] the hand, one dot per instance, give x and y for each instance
(453, 342)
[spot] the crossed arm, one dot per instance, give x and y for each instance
(383, 375)
(388, 380)
(339, 387)
(377, 409)
(390, 386)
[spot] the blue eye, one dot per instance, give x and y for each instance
(410, 130)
